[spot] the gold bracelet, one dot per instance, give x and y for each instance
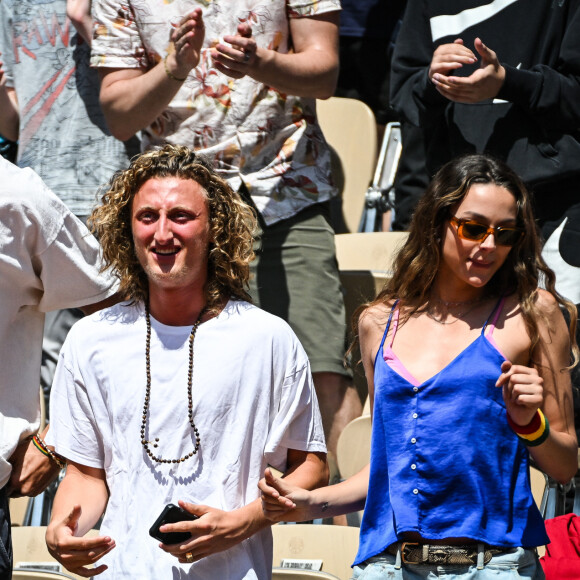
(169, 73)
(41, 446)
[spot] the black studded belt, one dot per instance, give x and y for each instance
(439, 554)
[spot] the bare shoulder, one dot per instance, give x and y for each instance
(511, 332)
(547, 312)
(551, 321)
(374, 318)
(547, 304)
(371, 325)
(511, 307)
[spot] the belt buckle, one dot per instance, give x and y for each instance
(403, 557)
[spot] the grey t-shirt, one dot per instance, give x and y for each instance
(63, 135)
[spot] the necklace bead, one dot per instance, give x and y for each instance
(144, 442)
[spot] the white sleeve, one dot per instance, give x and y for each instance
(69, 269)
(297, 423)
(75, 429)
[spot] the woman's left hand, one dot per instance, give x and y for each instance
(523, 391)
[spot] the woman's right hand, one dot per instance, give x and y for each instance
(76, 553)
(282, 501)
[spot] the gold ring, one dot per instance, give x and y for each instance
(189, 557)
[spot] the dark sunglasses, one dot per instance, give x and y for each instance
(477, 232)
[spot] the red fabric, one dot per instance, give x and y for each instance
(562, 559)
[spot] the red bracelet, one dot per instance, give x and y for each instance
(535, 432)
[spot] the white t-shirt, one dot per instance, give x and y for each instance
(253, 400)
(48, 260)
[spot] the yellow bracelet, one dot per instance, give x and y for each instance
(169, 73)
(535, 432)
(41, 446)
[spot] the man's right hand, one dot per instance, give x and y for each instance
(75, 553)
(32, 471)
(187, 41)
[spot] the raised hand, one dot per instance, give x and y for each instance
(237, 57)
(187, 41)
(484, 83)
(523, 391)
(449, 57)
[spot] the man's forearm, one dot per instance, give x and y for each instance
(311, 74)
(307, 470)
(132, 99)
(79, 489)
(308, 473)
(311, 70)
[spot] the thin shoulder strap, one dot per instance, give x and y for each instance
(388, 326)
(495, 314)
(395, 323)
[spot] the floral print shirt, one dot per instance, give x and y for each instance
(254, 134)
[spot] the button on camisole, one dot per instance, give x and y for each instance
(444, 462)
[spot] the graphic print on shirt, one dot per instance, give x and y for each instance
(454, 24)
(33, 31)
(62, 128)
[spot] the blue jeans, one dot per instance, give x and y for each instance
(519, 563)
(5, 538)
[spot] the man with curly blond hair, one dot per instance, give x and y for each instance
(181, 394)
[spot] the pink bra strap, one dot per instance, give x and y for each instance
(491, 326)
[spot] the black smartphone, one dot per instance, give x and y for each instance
(171, 514)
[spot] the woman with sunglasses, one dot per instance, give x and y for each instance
(467, 363)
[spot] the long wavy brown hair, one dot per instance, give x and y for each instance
(232, 225)
(417, 263)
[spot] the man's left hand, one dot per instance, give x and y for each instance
(214, 531)
(32, 471)
(237, 57)
(484, 83)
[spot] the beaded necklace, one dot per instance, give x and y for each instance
(144, 442)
